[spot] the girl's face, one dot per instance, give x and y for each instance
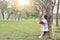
(42, 17)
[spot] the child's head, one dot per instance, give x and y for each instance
(44, 17)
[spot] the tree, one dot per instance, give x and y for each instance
(54, 2)
(3, 7)
(47, 7)
(57, 24)
(49, 14)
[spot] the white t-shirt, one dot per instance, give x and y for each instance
(45, 25)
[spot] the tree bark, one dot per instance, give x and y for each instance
(49, 14)
(57, 23)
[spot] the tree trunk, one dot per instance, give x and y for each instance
(9, 15)
(49, 14)
(53, 9)
(19, 16)
(27, 13)
(57, 24)
(2, 11)
(53, 4)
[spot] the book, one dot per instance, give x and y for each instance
(41, 22)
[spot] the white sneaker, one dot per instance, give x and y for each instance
(39, 37)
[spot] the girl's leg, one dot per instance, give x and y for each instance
(42, 33)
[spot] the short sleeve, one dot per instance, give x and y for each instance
(45, 21)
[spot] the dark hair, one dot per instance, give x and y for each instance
(45, 16)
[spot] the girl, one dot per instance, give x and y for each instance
(44, 28)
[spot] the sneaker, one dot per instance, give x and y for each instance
(39, 37)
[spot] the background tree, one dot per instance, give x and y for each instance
(3, 7)
(54, 2)
(57, 21)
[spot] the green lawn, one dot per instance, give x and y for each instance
(21, 30)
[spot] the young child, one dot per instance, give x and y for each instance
(44, 28)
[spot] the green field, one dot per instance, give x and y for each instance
(22, 30)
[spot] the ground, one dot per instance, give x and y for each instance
(23, 30)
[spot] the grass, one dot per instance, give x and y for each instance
(21, 30)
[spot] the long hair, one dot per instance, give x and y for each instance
(45, 16)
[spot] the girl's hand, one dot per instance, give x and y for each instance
(38, 22)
